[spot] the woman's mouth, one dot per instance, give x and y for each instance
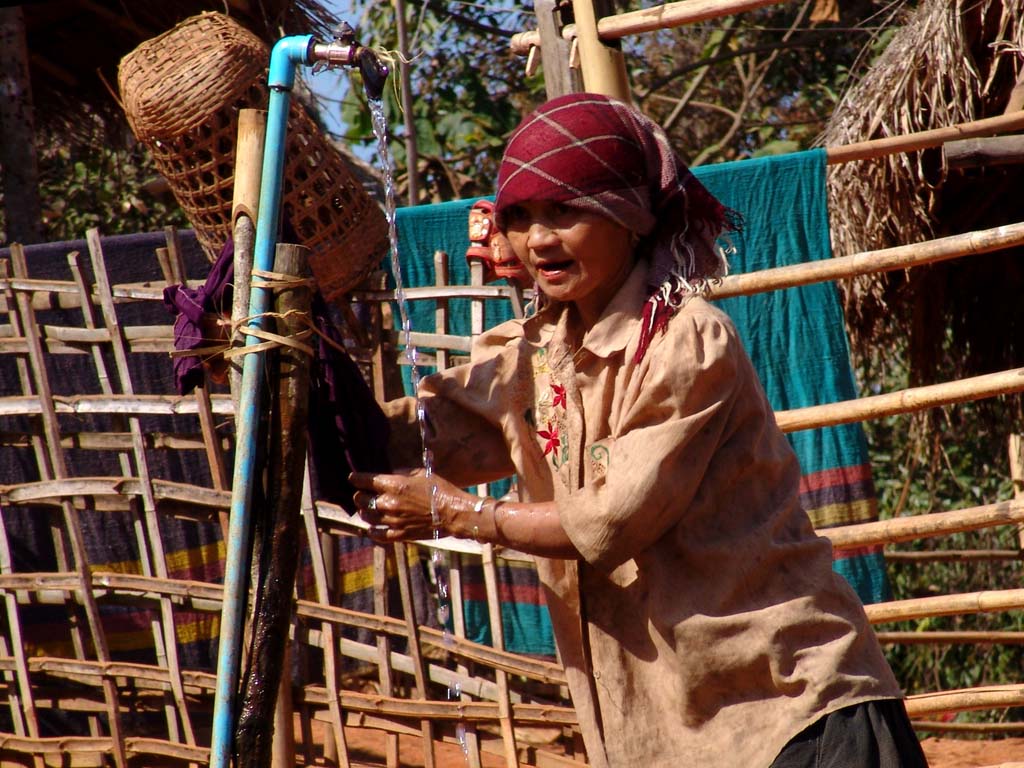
(553, 268)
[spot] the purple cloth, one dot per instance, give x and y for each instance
(190, 304)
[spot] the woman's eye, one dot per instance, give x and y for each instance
(562, 211)
(514, 214)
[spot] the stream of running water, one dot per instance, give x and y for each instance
(438, 560)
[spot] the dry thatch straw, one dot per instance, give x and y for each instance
(950, 62)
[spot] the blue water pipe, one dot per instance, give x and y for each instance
(287, 54)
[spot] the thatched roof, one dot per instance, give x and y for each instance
(951, 61)
(75, 46)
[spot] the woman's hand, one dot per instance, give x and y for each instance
(399, 507)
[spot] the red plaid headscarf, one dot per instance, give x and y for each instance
(601, 155)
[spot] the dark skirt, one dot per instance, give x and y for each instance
(875, 734)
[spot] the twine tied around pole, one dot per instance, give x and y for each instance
(275, 281)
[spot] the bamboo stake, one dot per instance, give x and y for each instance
(906, 401)
(946, 605)
(508, 736)
(329, 645)
(471, 743)
(22, 700)
(870, 262)
(1016, 449)
(40, 448)
(922, 526)
(420, 676)
(384, 654)
(155, 551)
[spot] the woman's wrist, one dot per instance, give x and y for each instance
(483, 526)
(478, 511)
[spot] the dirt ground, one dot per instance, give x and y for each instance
(366, 747)
(962, 753)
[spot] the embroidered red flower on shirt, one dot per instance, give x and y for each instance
(551, 435)
(559, 399)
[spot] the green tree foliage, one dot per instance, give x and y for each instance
(468, 91)
(759, 83)
(100, 184)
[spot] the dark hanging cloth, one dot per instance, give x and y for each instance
(347, 429)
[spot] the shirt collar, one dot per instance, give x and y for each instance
(618, 323)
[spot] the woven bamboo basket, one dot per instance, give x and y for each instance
(182, 92)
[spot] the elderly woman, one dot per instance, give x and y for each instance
(695, 610)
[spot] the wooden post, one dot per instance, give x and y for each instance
(984, 152)
(603, 66)
(559, 77)
(279, 557)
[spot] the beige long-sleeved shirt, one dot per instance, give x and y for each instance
(704, 622)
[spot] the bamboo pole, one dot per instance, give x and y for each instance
(984, 697)
(245, 203)
(385, 668)
(936, 726)
(989, 601)
(911, 142)
(137, 405)
(923, 526)
(171, 705)
(665, 16)
(953, 555)
(869, 262)
(905, 401)
(965, 637)
(602, 65)
(559, 77)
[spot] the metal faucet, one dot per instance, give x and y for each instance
(345, 51)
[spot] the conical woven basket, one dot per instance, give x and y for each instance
(182, 92)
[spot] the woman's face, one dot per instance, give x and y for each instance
(574, 256)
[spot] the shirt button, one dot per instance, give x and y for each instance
(597, 675)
